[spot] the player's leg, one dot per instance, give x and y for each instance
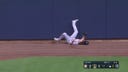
(74, 28)
(63, 35)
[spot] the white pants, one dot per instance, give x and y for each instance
(68, 38)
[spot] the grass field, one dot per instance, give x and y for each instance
(58, 64)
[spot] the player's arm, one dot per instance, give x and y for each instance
(82, 39)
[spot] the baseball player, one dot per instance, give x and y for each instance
(72, 39)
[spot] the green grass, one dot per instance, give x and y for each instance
(58, 64)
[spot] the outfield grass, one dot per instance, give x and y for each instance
(58, 64)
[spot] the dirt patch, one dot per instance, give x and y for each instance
(19, 49)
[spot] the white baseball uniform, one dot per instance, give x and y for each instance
(70, 39)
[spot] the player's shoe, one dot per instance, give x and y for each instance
(75, 20)
(56, 39)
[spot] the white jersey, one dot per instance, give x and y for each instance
(73, 41)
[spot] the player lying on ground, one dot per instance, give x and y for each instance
(72, 39)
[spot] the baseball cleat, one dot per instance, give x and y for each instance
(56, 39)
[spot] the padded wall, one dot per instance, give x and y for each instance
(45, 19)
